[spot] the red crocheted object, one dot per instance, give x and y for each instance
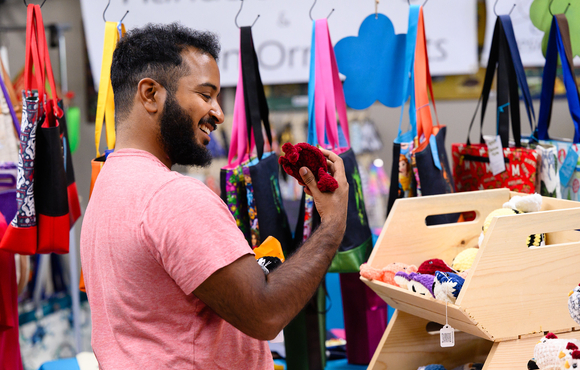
(551, 336)
(571, 346)
(305, 155)
(430, 266)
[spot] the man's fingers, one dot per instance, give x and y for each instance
(309, 180)
(333, 157)
(337, 164)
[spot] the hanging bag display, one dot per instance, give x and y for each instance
(558, 175)
(265, 207)
(471, 163)
(42, 222)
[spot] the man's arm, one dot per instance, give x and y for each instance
(261, 306)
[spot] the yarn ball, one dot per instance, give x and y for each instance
(464, 260)
(305, 155)
(574, 304)
(429, 267)
(422, 284)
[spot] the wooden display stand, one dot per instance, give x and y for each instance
(512, 296)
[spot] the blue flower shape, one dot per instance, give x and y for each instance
(373, 63)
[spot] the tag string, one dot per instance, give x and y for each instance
(446, 323)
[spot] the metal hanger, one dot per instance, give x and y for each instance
(239, 11)
(312, 7)
(104, 11)
(494, 5)
(550, 8)
(40, 4)
(409, 2)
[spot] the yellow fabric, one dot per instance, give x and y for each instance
(271, 247)
(464, 260)
(105, 101)
(498, 212)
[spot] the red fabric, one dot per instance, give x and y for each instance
(53, 234)
(9, 346)
(471, 175)
(430, 266)
(306, 155)
(74, 205)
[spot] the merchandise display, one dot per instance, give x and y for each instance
(439, 252)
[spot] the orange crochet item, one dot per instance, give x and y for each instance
(305, 155)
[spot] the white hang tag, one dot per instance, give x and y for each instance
(496, 159)
(447, 333)
(447, 336)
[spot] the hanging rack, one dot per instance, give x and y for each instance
(107, 7)
(239, 11)
(25, 3)
(550, 8)
(495, 12)
(312, 7)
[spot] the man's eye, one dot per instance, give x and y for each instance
(206, 97)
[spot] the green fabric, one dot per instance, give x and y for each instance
(73, 122)
(350, 261)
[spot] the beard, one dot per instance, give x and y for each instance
(178, 136)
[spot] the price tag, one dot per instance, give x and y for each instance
(568, 166)
(447, 333)
(496, 159)
(447, 336)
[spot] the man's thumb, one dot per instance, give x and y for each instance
(308, 178)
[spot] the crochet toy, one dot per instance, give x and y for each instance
(403, 280)
(547, 350)
(566, 354)
(447, 286)
(574, 304)
(422, 284)
(527, 202)
(532, 365)
(573, 362)
(430, 266)
(305, 155)
(464, 260)
(387, 273)
(269, 254)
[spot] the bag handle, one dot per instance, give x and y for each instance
(105, 100)
(312, 124)
(30, 56)
(46, 64)
(254, 97)
(558, 44)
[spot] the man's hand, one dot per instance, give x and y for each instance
(331, 206)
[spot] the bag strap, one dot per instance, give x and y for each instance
(254, 97)
(558, 44)
(312, 124)
(47, 65)
(105, 101)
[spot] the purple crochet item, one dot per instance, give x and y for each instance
(425, 280)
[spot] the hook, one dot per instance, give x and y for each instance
(239, 11)
(312, 7)
(107, 7)
(40, 4)
(550, 8)
(376, 9)
(409, 2)
(494, 12)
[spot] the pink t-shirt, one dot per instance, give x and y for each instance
(150, 237)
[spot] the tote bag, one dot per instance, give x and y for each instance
(471, 163)
(558, 174)
(265, 207)
(42, 222)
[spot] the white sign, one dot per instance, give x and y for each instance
(282, 34)
(528, 37)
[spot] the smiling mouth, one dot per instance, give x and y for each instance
(205, 129)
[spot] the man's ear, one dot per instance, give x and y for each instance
(151, 95)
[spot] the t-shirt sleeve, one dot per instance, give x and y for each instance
(191, 232)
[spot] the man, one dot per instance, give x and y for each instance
(171, 281)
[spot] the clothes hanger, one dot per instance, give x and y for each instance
(550, 8)
(409, 2)
(312, 7)
(104, 11)
(239, 11)
(494, 11)
(25, 3)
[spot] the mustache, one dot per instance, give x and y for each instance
(212, 121)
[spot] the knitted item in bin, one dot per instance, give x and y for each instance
(566, 354)
(432, 367)
(422, 284)
(403, 279)
(534, 240)
(573, 362)
(547, 350)
(305, 155)
(464, 259)
(574, 304)
(447, 286)
(431, 266)
(532, 365)
(387, 273)
(526, 203)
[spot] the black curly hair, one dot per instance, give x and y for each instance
(154, 51)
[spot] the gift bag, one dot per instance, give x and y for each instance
(265, 206)
(42, 222)
(472, 169)
(558, 175)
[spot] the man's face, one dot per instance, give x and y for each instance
(192, 112)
